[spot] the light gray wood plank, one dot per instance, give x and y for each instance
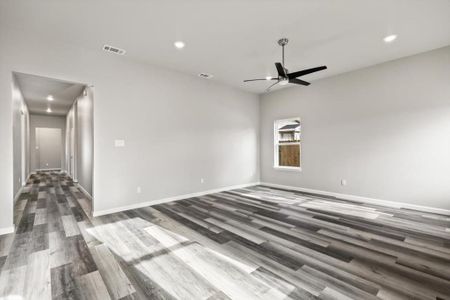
(70, 225)
(40, 216)
(116, 281)
(37, 279)
(12, 282)
(92, 287)
(241, 232)
(6, 241)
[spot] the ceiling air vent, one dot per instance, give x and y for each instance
(205, 75)
(114, 50)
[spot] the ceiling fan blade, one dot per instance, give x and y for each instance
(281, 70)
(268, 89)
(298, 81)
(304, 72)
(247, 80)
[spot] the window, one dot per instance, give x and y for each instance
(287, 144)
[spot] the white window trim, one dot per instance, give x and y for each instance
(284, 168)
(276, 144)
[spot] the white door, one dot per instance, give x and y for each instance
(72, 153)
(49, 145)
(23, 148)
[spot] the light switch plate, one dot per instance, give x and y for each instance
(119, 143)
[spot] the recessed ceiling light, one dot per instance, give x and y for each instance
(179, 44)
(268, 77)
(390, 38)
(50, 98)
(49, 110)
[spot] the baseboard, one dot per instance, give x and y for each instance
(84, 191)
(6, 230)
(169, 199)
(362, 199)
(16, 197)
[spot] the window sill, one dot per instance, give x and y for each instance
(291, 169)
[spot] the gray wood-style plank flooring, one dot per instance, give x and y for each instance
(253, 243)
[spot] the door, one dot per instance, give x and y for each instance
(72, 153)
(49, 145)
(23, 147)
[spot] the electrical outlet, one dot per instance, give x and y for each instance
(202, 180)
(343, 182)
(138, 190)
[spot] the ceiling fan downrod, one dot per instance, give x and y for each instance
(283, 42)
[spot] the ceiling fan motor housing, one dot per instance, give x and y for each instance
(283, 41)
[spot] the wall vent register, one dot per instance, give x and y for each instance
(112, 49)
(205, 75)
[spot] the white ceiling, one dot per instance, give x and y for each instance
(236, 39)
(35, 90)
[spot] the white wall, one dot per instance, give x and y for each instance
(45, 121)
(20, 130)
(385, 129)
(70, 142)
(85, 123)
(177, 128)
(80, 117)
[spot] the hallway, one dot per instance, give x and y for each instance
(47, 252)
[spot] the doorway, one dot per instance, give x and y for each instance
(55, 133)
(71, 165)
(49, 148)
(24, 147)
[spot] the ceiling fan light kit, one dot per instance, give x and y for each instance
(283, 76)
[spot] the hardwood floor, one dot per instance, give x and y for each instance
(254, 243)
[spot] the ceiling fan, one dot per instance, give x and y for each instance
(283, 76)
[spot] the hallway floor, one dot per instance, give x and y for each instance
(254, 243)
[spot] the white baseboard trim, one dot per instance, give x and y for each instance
(362, 199)
(84, 191)
(16, 197)
(169, 199)
(6, 230)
